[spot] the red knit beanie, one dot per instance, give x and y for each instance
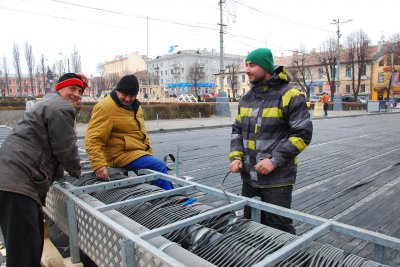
(69, 79)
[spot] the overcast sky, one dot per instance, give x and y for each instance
(103, 29)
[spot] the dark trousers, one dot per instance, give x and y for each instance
(21, 222)
(326, 108)
(280, 196)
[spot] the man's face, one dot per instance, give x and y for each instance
(71, 93)
(256, 73)
(125, 98)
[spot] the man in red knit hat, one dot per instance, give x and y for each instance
(41, 147)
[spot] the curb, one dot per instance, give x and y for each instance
(230, 124)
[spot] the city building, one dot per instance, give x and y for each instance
(311, 66)
(385, 75)
(189, 71)
(123, 65)
(235, 79)
(10, 86)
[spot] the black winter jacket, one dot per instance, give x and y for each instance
(272, 121)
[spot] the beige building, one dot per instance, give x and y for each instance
(236, 81)
(314, 73)
(123, 65)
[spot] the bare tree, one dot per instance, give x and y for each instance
(111, 80)
(43, 72)
(30, 61)
(393, 46)
(101, 81)
(327, 56)
(2, 86)
(196, 74)
(232, 77)
(5, 69)
(17, 66)
(300, 70)
(50, 79)
(76, 61)
(361, 53)
(38, 80)
(392, 52)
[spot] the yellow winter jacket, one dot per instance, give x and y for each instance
(114, 137)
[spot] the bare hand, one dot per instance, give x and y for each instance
(102, 173)
(235, 166)
(265, 166)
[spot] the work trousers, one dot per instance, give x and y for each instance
(152, 163)
(280, 196)
(326, 108)
(21, 222)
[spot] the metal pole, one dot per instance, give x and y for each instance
(338, 56)
(147, 57)
(221, 49)
(337, 22)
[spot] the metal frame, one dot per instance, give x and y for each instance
(131, 240)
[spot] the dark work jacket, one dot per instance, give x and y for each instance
(42, 144)
(272, 121)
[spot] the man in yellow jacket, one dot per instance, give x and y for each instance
(116, 135)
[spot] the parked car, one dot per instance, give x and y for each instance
(350, 98)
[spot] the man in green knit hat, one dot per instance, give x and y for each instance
(272, 127)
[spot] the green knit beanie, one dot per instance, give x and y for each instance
(262, 57)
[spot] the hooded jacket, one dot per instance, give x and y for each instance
(272, 122)
(116, 135)
(42, 142)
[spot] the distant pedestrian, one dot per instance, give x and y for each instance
(272, 127)
(36, 153)
(325, 100)
(116, 135)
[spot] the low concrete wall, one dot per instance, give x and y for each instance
(10, 117)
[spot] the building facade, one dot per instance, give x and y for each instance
(124, 65)
(189, 71)
(385, 77)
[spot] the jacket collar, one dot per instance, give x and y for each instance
(134, 107)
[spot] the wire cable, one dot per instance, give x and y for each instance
(223, 189)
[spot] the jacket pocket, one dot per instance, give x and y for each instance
(133, 141)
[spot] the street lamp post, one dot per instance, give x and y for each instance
(338, 22)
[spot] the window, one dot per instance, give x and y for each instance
(362, 88)
(348, 71)
(308, 74)
(364, 69)
(182, 70)
(381, 63)
(320, 73)
(243, 78)
(347, 89)
(381, 77)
